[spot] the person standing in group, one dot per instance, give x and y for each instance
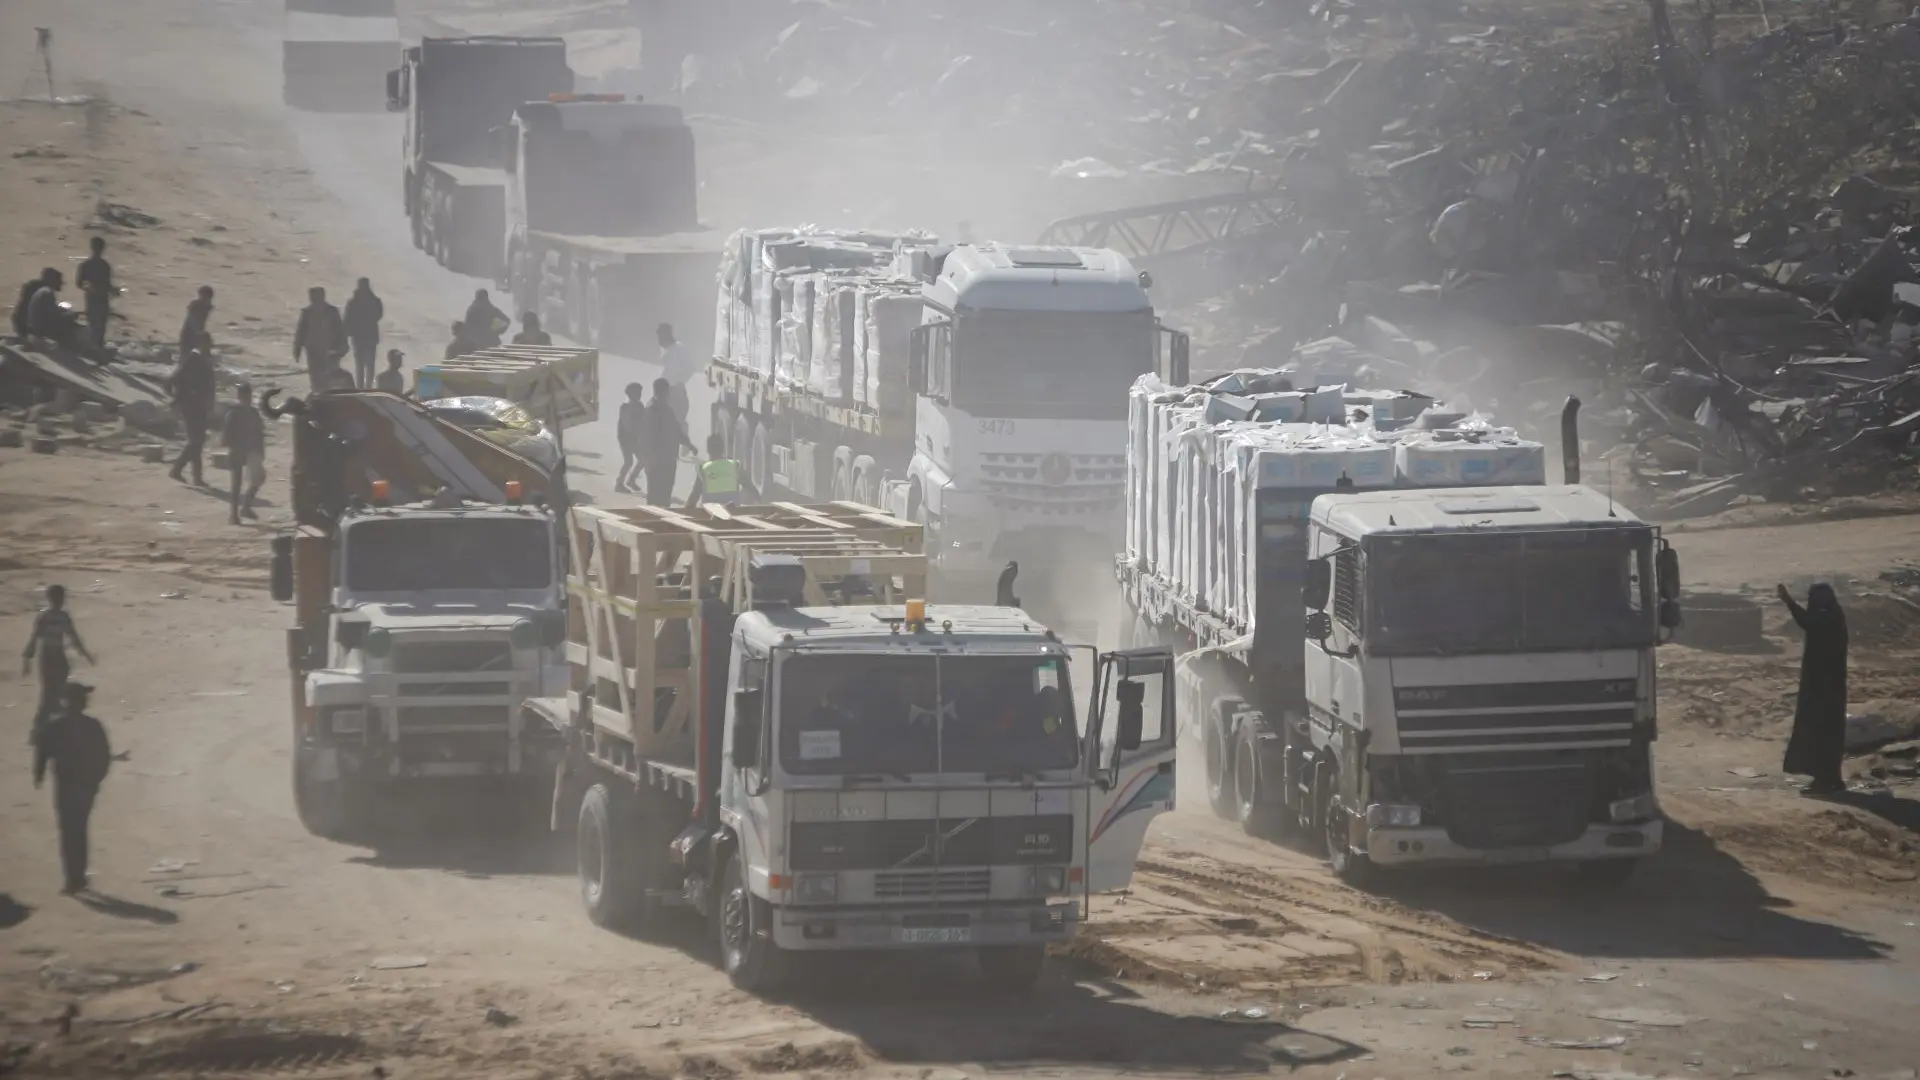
(96, 280)
(633, 413)
(192, 387)
(75, 744)
(461, 345)
(362, 318)
(678, 367)
(194, 326)
(530, 332)
(392, 381)
(52, 628)
(720, 479)
(245, 437)
(661, 438)
(322, 335)
(485, 323)
(1819, 740)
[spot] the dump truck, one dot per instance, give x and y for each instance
(456, 92)
(427, 579)
(977, 389)
(334, 51)
(602, 233)
(1396, 637)
(764, 723)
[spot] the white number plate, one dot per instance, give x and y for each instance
(939, 935)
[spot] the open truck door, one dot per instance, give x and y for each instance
(1129, 747)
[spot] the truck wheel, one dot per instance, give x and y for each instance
(609, 877)
(1012, 968)
(330, 808)
(745, 924)
(1222, 770)
(1253, 802)
(1606, 873)
(1350, 866)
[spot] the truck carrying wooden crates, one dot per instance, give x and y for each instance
(766, 723)
(1400, 639)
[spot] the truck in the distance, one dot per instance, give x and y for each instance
(766, 724)
(333, 52)
(602, 234)
(456, 92)
(979, 389)
(427, 579)
(1398, 638)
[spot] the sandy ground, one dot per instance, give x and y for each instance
(1775, 937)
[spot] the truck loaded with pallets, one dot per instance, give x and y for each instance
(456, 93)
(763, 723)
(1398, 639)
(426, 576)
(602, 236)
(333, 53)
(977, 389)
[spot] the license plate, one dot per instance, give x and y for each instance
(938, 935)
(1516, 855)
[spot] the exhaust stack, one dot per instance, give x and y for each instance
(1570, 439)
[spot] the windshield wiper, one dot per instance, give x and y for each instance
(856, 779)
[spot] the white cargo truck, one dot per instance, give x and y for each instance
(1397, 637)
(765, 725)
(978, 389)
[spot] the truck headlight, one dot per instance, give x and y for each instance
(1048, 880)
(377, 642)
(1639, 808)
(524, 635)
(1392, 816)
(351, 720)
(816, 888)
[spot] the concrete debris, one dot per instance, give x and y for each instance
(397, 963)
(1597, 1042)
(1642, 1017)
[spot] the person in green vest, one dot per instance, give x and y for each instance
(720, 479)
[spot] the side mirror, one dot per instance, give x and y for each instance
(747, 714)
(1177, 355)
(1670, 615)
(281, 574)
(1318, 584)
(1666, 572)
(396, 91)
(1132, 696)
(922, 339)
(1319, 626)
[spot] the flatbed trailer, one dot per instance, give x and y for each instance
(615, 290)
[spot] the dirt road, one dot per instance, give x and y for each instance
(1775, 937)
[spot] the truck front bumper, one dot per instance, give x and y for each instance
(1428, 845)
(822, 929)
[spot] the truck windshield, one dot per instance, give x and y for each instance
(851, 715)
(408, 555)
(1577, 589)
(1072, 365)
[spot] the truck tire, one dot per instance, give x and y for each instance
(1257, 801)
(334, 809)
(1012, 968)
(1218, 746)
(610, 884)
(744, 924)
(1350, 866)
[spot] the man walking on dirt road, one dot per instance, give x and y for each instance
(192, 386)
(322, 335)
(363, 315)
(75, 745)
(194, 326)
(96, 280)
(52, 629)
(661, 438)
(245, 437)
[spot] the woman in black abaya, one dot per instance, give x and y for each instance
(1820, 716)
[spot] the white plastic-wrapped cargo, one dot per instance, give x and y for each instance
(883, 376)
(1470, 454)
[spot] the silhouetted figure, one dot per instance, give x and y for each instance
(1819, 739)
(393, 380)
(661, 438)
(192, 386)
(485, 323)
(199, 310)
(245, 437)
(96, 280)
(362, 317)
(530, 332)
(322, 336)
(75, 744)
(52, 628)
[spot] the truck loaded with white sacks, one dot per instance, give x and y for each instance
(978, 389)
(764, 723)
(1397, 637)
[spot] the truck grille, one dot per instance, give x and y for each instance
(430, 657)
(1575, 715)
(1516, 805)
(418, 718)
(927, 884)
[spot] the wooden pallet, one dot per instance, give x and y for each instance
(634, 613)
(557, 386)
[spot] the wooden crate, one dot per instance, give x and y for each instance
(634, 617)
(557, 386)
